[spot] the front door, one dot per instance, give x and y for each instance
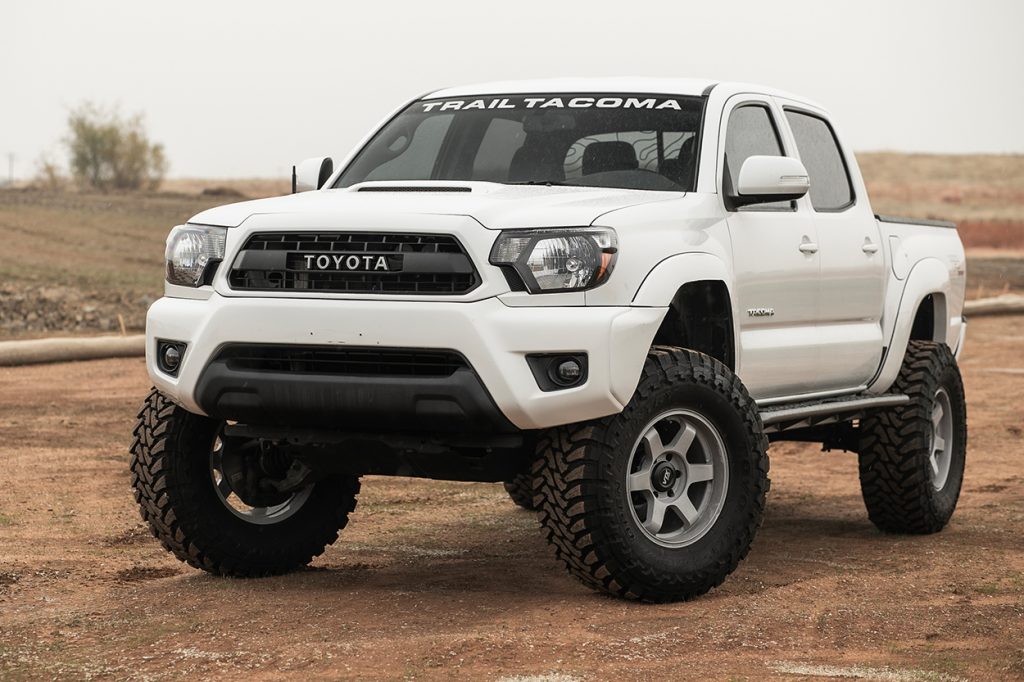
(776, 261)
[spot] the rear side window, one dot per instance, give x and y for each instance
(831, 189)
(751, 132)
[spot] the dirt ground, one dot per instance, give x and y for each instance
(436, 580)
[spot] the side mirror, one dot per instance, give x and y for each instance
(764, 179)
(312, 174)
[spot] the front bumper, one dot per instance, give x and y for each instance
(493, 337)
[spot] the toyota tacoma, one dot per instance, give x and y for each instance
(610, 295)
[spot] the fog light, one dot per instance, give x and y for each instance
(568, 371)
(558, 371)
(168, 356)
(172, 356)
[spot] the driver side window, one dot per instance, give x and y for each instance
(751, 132)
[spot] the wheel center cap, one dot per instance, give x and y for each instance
(663, 476)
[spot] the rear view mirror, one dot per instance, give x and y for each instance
(312, 174)
(764, 179)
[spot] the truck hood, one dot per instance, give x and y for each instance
(495, 206)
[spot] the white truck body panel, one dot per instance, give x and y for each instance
(822, 303)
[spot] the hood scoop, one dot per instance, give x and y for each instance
(413, 188)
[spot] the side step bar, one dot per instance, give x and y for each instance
(805, 415)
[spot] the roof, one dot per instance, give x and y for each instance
(640, 85)
(666, 86)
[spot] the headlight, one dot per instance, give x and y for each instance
(557, 260)
(190, 249)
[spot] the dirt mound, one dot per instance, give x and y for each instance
(34, 310)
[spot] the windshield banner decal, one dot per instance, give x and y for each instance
(573, 102)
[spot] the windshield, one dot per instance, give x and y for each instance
(644, 142)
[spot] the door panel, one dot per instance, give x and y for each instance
(775, 264)
(778, 351)
(851, 256)
(852, 283)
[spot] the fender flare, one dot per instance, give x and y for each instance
(928, 277)
(659, 288)
(664, 280)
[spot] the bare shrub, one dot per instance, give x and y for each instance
(108, 151)
(49, 174)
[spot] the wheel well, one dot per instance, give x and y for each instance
(700, 318)
(923, 328)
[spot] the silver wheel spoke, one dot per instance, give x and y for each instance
(697, 473)
(683, 440)
(941, 455)
(640, 481)
(654, 445)
(655, 515)
(686, 509)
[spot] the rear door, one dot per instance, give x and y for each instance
(850, 254)
(775, 260)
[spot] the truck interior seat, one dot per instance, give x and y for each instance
(601, 157)
(536, 160)
(680, 169)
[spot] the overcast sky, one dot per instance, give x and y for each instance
(241, 89)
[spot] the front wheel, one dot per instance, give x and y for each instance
(661, 501)
(224, 504)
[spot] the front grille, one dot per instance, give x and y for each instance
(341, 361)
(416, 263)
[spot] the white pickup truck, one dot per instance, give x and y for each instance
(609, 294)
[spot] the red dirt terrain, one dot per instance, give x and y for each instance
(436, 580)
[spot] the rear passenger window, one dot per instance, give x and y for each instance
(751, 132)
(831, 189)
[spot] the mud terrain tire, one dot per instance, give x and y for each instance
(587, 485)
(170, 467)
(520, 489)
(898, 446)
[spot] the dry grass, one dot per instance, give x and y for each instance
(992, 234)
(952, 187)
(252, 188)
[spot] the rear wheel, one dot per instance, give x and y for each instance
(912, 456)
(226, 505)
(661, 501)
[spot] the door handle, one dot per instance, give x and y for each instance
(808, 246)
(869, 247)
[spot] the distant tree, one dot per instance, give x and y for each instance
(107, 151)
